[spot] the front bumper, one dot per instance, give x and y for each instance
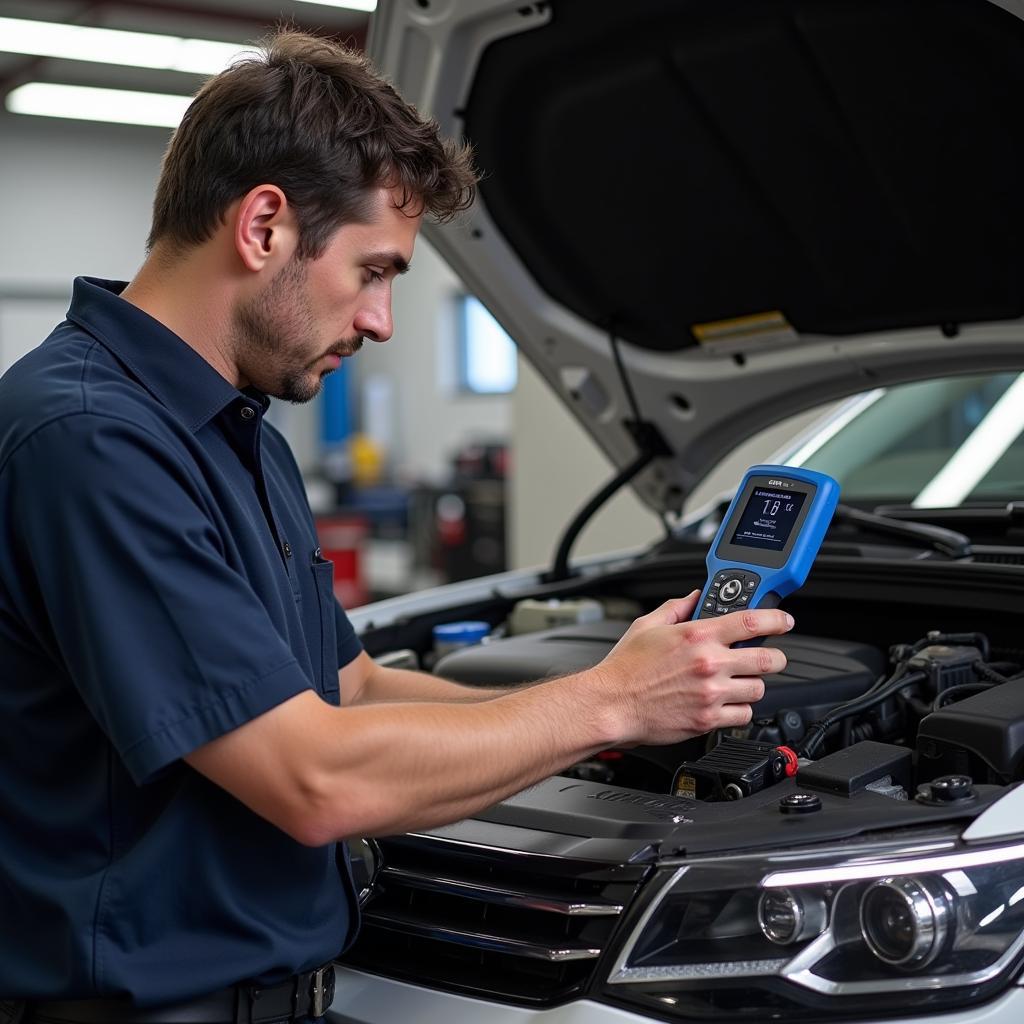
(368, 999)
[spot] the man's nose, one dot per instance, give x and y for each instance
(374, 321)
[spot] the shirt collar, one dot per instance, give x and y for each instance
(170, 369)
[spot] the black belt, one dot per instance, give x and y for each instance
(304, 995)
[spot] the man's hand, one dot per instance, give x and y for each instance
(669, 679)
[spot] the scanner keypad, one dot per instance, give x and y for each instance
(730, 591)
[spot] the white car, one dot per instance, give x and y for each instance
(700, 218)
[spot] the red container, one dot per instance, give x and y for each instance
(341, 542)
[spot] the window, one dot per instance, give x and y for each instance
(934, 443)
(487, 355)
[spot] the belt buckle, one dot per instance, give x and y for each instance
(321, 990)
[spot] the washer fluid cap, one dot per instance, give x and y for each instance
(468, 632)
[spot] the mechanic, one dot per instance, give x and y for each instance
(188, 723)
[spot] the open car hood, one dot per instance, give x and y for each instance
(769, 203)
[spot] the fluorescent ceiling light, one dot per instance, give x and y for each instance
(112, 46)
(85, 103)
(352, 5)
(985, 446)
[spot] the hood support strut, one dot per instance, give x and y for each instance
(560, 570)
(651, 444)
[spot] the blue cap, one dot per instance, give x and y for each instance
(469, 632)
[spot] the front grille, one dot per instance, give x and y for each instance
(997, 555)
(515, 927)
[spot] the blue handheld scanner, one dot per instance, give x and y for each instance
(769, 539)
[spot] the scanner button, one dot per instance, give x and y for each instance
(709, 606)
(742, 600)
(751, 585)
(730, 591)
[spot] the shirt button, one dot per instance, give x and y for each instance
(287, 550)
(248, 412)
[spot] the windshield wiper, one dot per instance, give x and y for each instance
(1003, 514)
(939, 538)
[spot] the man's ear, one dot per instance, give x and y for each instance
(266, 231)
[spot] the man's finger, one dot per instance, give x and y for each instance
(755, 661)
(675, 610)
(746, 690)
(746, 625)
(734, 715)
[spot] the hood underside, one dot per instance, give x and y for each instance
(773, 203)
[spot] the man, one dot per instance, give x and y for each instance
(188, 724)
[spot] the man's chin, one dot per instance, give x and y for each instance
(299, 392)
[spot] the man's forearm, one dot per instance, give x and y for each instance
(387, 767)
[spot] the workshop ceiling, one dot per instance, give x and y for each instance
(234, 21)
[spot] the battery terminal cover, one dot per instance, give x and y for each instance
(736, 768)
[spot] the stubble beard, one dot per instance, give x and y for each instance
(274, 333)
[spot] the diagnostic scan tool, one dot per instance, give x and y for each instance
(769, 539)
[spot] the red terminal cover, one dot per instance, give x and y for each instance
(792, 762)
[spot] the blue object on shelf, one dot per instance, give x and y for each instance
(336, 422)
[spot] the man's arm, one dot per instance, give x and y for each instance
(320, 772)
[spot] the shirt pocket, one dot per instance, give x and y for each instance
(323, 581)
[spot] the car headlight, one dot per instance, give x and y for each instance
(875, 926)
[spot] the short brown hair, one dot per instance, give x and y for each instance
(315, 119)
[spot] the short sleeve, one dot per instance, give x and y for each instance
(167, 644)
(349, 646)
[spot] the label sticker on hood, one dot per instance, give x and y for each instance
(741, 330)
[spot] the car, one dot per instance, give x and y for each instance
(699, 220)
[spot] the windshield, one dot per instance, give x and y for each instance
(932, 444)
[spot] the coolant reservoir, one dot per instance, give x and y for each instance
(452, 636)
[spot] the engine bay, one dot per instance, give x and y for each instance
(844, 715)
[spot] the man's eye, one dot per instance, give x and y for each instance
(374, 275)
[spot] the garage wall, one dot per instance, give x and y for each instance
(76, 199)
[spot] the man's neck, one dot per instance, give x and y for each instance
(192, 297)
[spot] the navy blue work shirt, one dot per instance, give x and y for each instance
(160, 585)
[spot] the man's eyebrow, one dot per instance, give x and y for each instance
(391, 258)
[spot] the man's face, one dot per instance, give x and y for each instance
(315, 312)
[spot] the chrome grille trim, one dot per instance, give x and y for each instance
(481, 940)
(502, 896)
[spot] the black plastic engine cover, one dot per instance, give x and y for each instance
(981, 736)
(821, 672)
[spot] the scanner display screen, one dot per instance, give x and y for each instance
(768, 519)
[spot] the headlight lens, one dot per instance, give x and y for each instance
(942, 924)
(785, 917)
(905, 920)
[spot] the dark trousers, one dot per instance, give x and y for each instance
(32, 1018)
(37, 1019)
(21, 1013)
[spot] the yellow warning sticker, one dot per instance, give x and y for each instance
(756, 327)
(686, 785)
